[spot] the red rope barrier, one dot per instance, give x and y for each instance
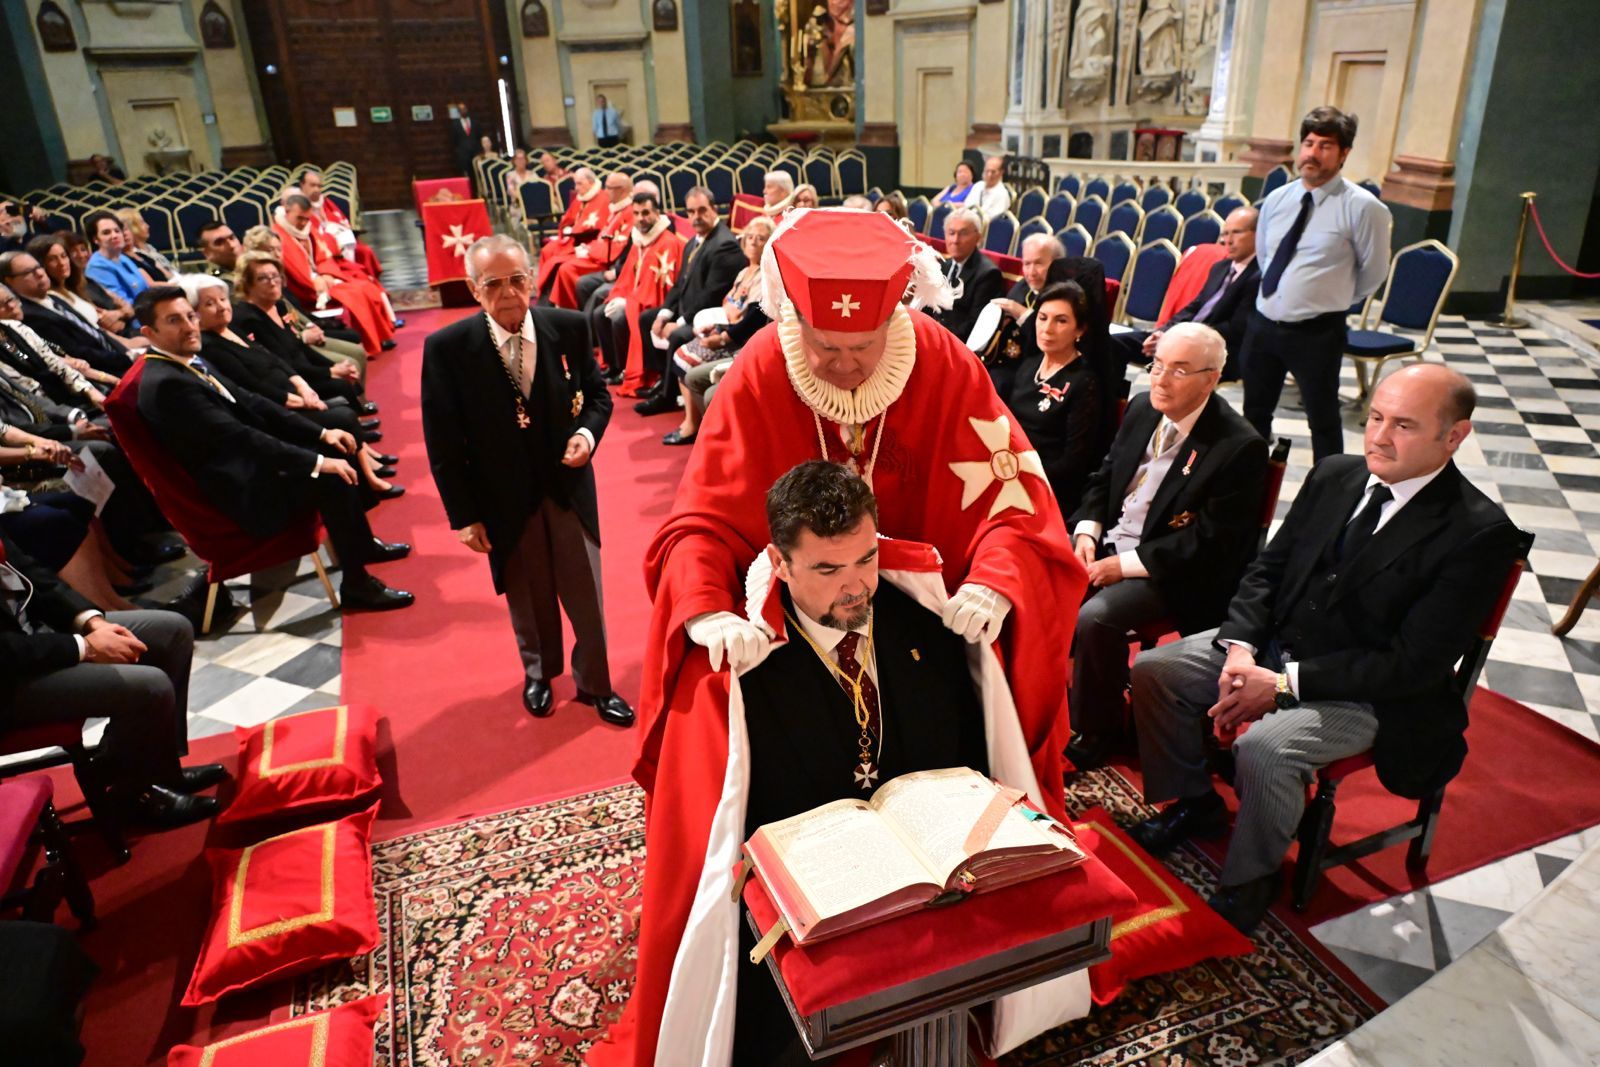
(1534, 210)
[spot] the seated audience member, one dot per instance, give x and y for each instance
(520, 174)
(720, 332)
(256, 369)
(1055, 395)
(256, 462)
(1224, 302)
(805, 195)
(324, 332)
(263, 314)
(551, 169)
(600, 251)
(1015, 339)
(70, 662)
(960, 188)
(27, 353)
(977, 275)
(136, 245)
(318, 276)
(53, 308)
(582, 222)
(893, 204)
(641, 280)
(19, 224)
(844, 628)
(1342, 638)
(710, 263)
(994, 199)
(59, 531)
(1166, 526)
(121, 319)
(777, 193)
(857, 202)
(105, 169)
(333, 221)
(110, 265)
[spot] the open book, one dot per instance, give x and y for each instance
(925, 838)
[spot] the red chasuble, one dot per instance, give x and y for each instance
(643, 281)
(348, 286)
(584, 219)
(952, 472)
(365, 257)
(608, 245)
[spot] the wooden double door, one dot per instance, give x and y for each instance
(372, 81)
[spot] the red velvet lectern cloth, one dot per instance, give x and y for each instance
(922, 943)
(425, 189)
(448, 229)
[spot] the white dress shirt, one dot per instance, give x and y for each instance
(1343, 253)
(828, 638)
(1124, 536)
(994, 201)
(501, 339)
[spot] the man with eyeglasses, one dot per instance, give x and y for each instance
(1167, 525)
(512, 409)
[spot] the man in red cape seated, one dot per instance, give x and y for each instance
(608, 244)
(643, 281)
(582, 223)
(336, 224)
(317, 274)
(844, 373)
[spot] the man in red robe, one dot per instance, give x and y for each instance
(598, 253)
(582, 223)
(646, 276)
(844, 373)
(318, 275)
(333, 222)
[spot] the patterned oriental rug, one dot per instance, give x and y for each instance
(510, 939)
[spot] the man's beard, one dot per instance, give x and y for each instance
(852, 617)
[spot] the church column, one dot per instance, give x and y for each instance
(671, 69)
(878, 134)
(1217, 138)
(1281, 64)
(990, 89)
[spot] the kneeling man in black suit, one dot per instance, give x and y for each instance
(1166, 526)
(1342, 638)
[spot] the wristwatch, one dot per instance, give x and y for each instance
(1284, 697)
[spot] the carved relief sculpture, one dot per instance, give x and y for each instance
(55, 28)
(216, 29)
(1159, 48)
(664, 15)
(1094, 28)
(1202, 25)
(535, 19)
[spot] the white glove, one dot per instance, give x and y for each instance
(723, 633)
(614, 307)
(582, 251)
(976, 612)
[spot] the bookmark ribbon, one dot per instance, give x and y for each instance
(769, 940)
(745, 867)
(993, 815)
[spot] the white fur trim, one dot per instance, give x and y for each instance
(757, 585)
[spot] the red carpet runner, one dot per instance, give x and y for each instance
(445, 674)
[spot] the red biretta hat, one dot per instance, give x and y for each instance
(844, 270)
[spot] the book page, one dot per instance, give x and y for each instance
(938, 809)
(842, 855)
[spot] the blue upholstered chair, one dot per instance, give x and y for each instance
(1190, 201)
(1001, 234)
(1144, 287)
(1090, 214)
(1115, 252)
(1201, 229)
(1075, 239)
(1125, 217)
(1155, 195)
(1227, 204)
(1161, 224)
(1058, 211)
(1420, 276)
(1276, 179)
(1030, 205)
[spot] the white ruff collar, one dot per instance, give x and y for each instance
(643, 239)
(594, 191)
(866, 401)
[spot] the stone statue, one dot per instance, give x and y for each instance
(1092, 34)
(1159, 32)
(828, 45)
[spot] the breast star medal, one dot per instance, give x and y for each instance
(1052, 395)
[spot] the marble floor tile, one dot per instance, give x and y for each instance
(257, 701)
(1504, 886)
(1397, 929)
(1530, 649)
(261, 653)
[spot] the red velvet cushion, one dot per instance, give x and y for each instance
(21, 801)
(926, 942)
(305, 761)
(338, 1038)
(287, 905)
(1172, 927)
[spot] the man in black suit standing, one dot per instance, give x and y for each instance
(512, 409)
(464, 134)
(1342, 638)
(977, 276)
(710, 263)
(1166, 526)
(1224, 303)
(255, 461)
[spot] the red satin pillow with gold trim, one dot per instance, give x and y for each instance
(287, 905)
(1171, 929)
(310, 760)
(338, 1038)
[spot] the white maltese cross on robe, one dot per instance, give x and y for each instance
(457, 241)
(1003, 465)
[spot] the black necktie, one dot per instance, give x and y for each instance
(72, 316)
(1286, 248)
(1359, 531)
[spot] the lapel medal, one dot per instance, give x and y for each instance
(1053, 395)
(565, 371)
(1188, 465)
(577, 403)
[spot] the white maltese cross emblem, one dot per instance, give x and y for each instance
(1003, 465)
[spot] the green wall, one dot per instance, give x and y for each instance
(34, 154)
(722, 106)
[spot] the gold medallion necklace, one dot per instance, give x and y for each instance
(866, 774)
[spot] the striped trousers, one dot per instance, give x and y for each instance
(1174, 685)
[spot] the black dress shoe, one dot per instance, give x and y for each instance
(612, 708)
(1088, 751)
(537, 699)
(368, 407)
(387, 551)
(678, 437)
(162, 552)
(656, 405)
(372, 424)
(387, 460)
(389, 345)
(369, 594)
(1195, 817)
(613, 377)
(201, 776)
(391, 492)
(384, 472)
(156, 805)
(1244, 906)
(371, 437)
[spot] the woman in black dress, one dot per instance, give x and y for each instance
(1054, 394)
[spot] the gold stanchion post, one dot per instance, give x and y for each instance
(1508, 318)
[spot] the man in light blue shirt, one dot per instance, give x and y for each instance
(607, 123)
(1322, 244)
(108, 266)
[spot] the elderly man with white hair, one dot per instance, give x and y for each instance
(974, 276)
(777, 190)
(1013, 337)
(1166, 526)
(585, 217)
(994, 199)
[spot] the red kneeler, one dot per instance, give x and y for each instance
(226, 550)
